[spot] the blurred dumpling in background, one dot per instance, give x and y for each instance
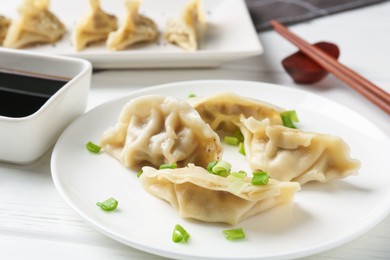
(36, 25)
(154, 130)
(94, 27)
(4, 25)
(187, 30)
(135, 28)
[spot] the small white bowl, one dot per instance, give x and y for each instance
(25, 136)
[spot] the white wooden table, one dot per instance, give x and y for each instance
(35, 221)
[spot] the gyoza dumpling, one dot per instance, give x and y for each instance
(222, 111)
(4, 25)
(94, 27)
(293, 155)
(36, 25)
(197, 194)
(154, 129)
(134, 29)
(187, 30)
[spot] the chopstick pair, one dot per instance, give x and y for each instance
(366, 88)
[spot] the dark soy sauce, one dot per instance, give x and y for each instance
(22, 93)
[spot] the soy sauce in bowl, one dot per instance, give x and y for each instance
(22, 93)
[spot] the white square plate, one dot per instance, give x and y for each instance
(230, 34)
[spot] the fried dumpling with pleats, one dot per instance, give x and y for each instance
(222, 111)
(4, 25)
(36, 25)
(155, 129)
(187, 30)
(94, 27)
(197, 194)
(289, 154)
(135, 28)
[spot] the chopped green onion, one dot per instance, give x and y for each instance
(191, 95)
(241, 148)
(140, 173)
(211, 165)
(222, 168)
(239, 135)
(168, 166)
(234, 234)
(231, 140)
(260, 178)
(108, 205)
(180, 234)
(224, 174)
(289, 117)
(93, 148)
(240, 174)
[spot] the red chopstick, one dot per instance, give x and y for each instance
(366, 88)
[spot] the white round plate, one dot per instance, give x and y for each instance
(322, 216)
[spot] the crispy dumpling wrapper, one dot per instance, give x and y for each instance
(94, 27)
(197, 194)
(36, 25)
(135, 28)
(294, 155)
(4, 25)
(187, 30)
(222, 111)
(155, 129)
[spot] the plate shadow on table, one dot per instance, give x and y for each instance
(39, 167)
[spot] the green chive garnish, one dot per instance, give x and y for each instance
(260, 178)
(240, 174)
(241, 148)
(168, 166)
(239, 135)
(93, 148)
(211, 165)
(108, 205)
(234, 234)
(222, 168)
(180, 234)
(140, 173)
(289, 117)
(231, 140)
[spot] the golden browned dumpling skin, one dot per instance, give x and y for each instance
(4, 25)
(134, 29)
(94, 27)
(36, 25)
(187, 30)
